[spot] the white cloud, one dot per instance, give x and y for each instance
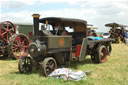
(19, 17)
(0, 12)
(69, 13)
(72, 2)
(21, 3)
(17, 3)
(96, 12)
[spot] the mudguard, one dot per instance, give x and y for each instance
(83, 50)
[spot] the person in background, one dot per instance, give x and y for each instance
(125, 36)
(65, 32)
(93, 33)
(111, 33)
(122, 34)
(17, 29)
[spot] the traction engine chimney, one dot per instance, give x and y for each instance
(35, 24)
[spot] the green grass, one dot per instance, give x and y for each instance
(113, 72)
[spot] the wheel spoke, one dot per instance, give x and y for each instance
(22, 65)
(11, 29)
(25, 60)
(51, 66)
(10, 34)
(22, 43)
(3, 28)
(23, 69)
(28, 61)
(23, 49)
(23, 40)
(47, 70)
(7, 25)
(47, 64)
(18, 40)
(3, 33)
(15, 45)
(14, 49)
(7, 37)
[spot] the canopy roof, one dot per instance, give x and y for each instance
(92, 27)
(54, 20)
(115, 25)
(77, 24)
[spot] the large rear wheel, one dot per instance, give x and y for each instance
(7, 29)
(18, 46)
(101, 55)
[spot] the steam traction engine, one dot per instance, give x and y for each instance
(12, 44)
(117, 31)
(52, 45)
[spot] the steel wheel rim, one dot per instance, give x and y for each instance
(6, 32)
(103, 55)
(50, 66)
(25, 65)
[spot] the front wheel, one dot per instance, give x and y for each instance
(48, 66)
(25, 64)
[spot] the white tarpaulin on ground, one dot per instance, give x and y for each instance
(68, 74)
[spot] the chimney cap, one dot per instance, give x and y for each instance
(36, 15)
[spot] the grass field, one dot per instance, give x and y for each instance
(113, 72)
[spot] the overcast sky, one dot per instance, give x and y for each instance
(96, 12)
